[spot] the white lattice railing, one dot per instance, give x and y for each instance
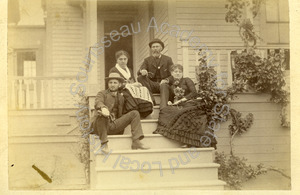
(40, 92)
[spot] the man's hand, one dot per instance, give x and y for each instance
(144, 72)
(105, 112)
(164, 81)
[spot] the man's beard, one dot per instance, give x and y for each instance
(113, 90)
(155, 53)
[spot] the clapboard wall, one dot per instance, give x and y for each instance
(65, 26)
(49, 140)
(265, 141)
(65, 46)
(160, 13)
(206, 20)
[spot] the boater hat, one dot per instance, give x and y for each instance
(157, 41)
(115, 75)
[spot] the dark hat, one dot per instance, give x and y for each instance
(115, 75)
(157, 41)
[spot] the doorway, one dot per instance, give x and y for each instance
(124, 43)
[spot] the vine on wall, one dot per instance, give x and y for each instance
(233, 169)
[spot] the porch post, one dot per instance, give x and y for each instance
(172, 40)
(91, 40)
(185, 56)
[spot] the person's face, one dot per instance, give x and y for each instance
(113, 85)
(177, 73)
(122, 60)
(156, 48)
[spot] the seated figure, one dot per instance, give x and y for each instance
(136, 96)
(184, 118)
(109, 118)
(155, 68)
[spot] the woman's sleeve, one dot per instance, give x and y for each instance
(132, 75)
(191, 88)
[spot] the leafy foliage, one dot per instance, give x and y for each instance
(234, 170)
(263, 75)
(239, 125)
(208, 90)
(234, 14)
(83, 120)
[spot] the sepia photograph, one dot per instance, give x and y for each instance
(149, 95)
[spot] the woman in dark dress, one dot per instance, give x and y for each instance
(184, 119)
(136, 96)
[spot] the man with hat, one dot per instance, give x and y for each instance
(155, 68)
(109, 118)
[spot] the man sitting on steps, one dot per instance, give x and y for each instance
(155, 69)
(109, 118)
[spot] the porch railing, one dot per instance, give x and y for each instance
(40, 92)
(222, 57)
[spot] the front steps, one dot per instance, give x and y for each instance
(165, 166)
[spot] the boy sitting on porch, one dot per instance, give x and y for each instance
(109, 118)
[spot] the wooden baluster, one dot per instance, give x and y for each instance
(50, 95)
(42, 94)
(34, 94)
(20, 98)
(27, 100)
(229, 69)
(13, 95)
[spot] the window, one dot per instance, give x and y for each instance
(277, 22)
(26, 63)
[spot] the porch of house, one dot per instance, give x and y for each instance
(44, 126)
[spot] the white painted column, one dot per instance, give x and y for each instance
(185, 56)
(229, 70)
(91, 40)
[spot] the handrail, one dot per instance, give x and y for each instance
(242, 47)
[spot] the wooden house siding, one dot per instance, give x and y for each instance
(160, 9)
(66, 47)
(266, 141)
(67, 38)
(207, 21)
(50, 145)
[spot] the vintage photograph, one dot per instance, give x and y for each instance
(148, 95)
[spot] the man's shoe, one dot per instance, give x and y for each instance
(105, 149)
(136, 144)
(101, 149)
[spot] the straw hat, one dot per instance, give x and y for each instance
(115, 75)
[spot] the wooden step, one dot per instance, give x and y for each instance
(154, 114)
(123, 142)
(117, 177)
(163, 156)
(148, 126)
(190, 185)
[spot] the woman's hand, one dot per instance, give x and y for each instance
(179, 101)
(164, 81)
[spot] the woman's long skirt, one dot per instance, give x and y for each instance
(186, 124)
(138, 98)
